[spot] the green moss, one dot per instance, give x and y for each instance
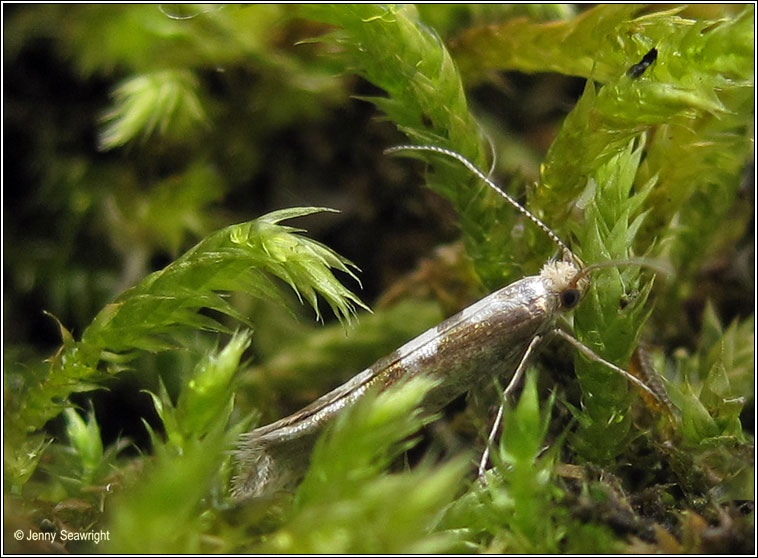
(211, 114)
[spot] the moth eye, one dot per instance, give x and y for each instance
(570, 298)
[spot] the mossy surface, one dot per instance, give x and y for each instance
(166, 173)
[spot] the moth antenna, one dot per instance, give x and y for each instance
(654, 265)
(483, 177)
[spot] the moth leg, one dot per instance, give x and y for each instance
(506, 393)
(642, 367)
(590, 354)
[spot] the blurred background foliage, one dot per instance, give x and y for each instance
(133, 132)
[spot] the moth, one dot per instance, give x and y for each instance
(495, 336)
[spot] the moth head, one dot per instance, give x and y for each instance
(563, 278)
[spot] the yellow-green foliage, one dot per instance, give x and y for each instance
(174, 141)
